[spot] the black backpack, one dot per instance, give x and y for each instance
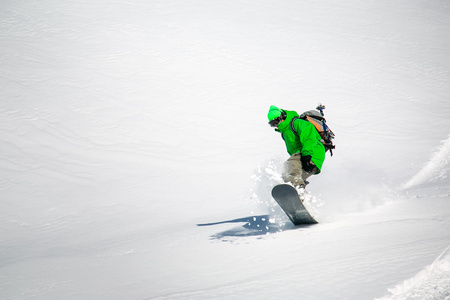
(316, 118)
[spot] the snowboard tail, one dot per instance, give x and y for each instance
(288, 199)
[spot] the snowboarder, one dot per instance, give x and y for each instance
(302, 143)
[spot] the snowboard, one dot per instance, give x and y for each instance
(288, 199)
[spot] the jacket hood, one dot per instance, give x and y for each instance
(285, 125)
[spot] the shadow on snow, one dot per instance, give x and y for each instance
(254, 226)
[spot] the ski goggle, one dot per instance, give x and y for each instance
(275, 122)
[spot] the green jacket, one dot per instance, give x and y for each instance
(306, 143)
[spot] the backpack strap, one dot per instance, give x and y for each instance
(292, 125)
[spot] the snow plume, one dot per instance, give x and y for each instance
(265, 178)
(434, 169)
(432, 283)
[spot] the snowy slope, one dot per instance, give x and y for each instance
(136, 161)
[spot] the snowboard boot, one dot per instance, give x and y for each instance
(298, 183)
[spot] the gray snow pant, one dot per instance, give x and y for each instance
(293, 172)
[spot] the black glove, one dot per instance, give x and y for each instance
(307, 164)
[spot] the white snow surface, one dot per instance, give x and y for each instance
(137, 163)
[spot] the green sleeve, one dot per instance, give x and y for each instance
(307, 134)
(310, 142)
